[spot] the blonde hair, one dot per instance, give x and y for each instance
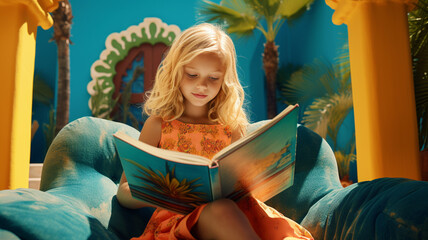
(165, 100)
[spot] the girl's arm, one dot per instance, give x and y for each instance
(150, 134)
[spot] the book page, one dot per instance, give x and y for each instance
(172, 185)
(227, 150)
(174, 156)
(263, 166)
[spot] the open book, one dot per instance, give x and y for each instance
(260, 164)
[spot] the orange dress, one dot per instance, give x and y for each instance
(207, 140)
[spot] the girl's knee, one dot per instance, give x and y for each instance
(223, 219)
(222, 208)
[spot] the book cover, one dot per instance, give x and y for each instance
(260, 164)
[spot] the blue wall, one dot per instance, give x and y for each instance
(46, 70)
(311, 36)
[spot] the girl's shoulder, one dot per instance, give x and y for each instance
(154, 121)
(151, 131)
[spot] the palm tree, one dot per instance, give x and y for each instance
(243, 16)
(62, 24)
(324, 91)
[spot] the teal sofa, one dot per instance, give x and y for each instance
(81, 171)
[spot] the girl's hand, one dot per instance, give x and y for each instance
(125, 198)
(150, 134)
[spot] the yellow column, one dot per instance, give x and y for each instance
(18, 25)
(382, 86)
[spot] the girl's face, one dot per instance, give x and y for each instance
(202, 80)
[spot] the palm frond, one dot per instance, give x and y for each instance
(42, 92)
(216, 11)
(235, 15)
(343, 69)
(324, 90)
(267, 9)
(49, 128)
(418, 26)
(288, 8)
(242, 29)
(325, 115)
(343, 162)
(420, 77)
(238, 5)
(418, 32)
(312, 81)
(420, 73)
(243, 16)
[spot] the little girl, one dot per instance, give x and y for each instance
(195, 106)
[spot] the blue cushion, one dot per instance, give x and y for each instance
(78, 187)
(32, 214)
(385, 208)
(316, 175)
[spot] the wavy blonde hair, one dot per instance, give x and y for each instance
(165, 100)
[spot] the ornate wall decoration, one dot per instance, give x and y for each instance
(139, 49)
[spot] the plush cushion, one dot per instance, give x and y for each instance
(385, 208)
(78, 186)
(32, 214)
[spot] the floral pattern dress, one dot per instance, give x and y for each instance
(207, 140)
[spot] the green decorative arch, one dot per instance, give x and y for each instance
(101, 87)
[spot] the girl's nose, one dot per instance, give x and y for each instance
(201, 84)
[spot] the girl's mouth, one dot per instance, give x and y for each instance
(199, 95)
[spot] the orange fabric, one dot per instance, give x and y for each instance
(199, 139)
(207, 140)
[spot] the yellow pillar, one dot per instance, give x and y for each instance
(18, 25)
(382, 86)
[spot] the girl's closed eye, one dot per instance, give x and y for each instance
(190, 75)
